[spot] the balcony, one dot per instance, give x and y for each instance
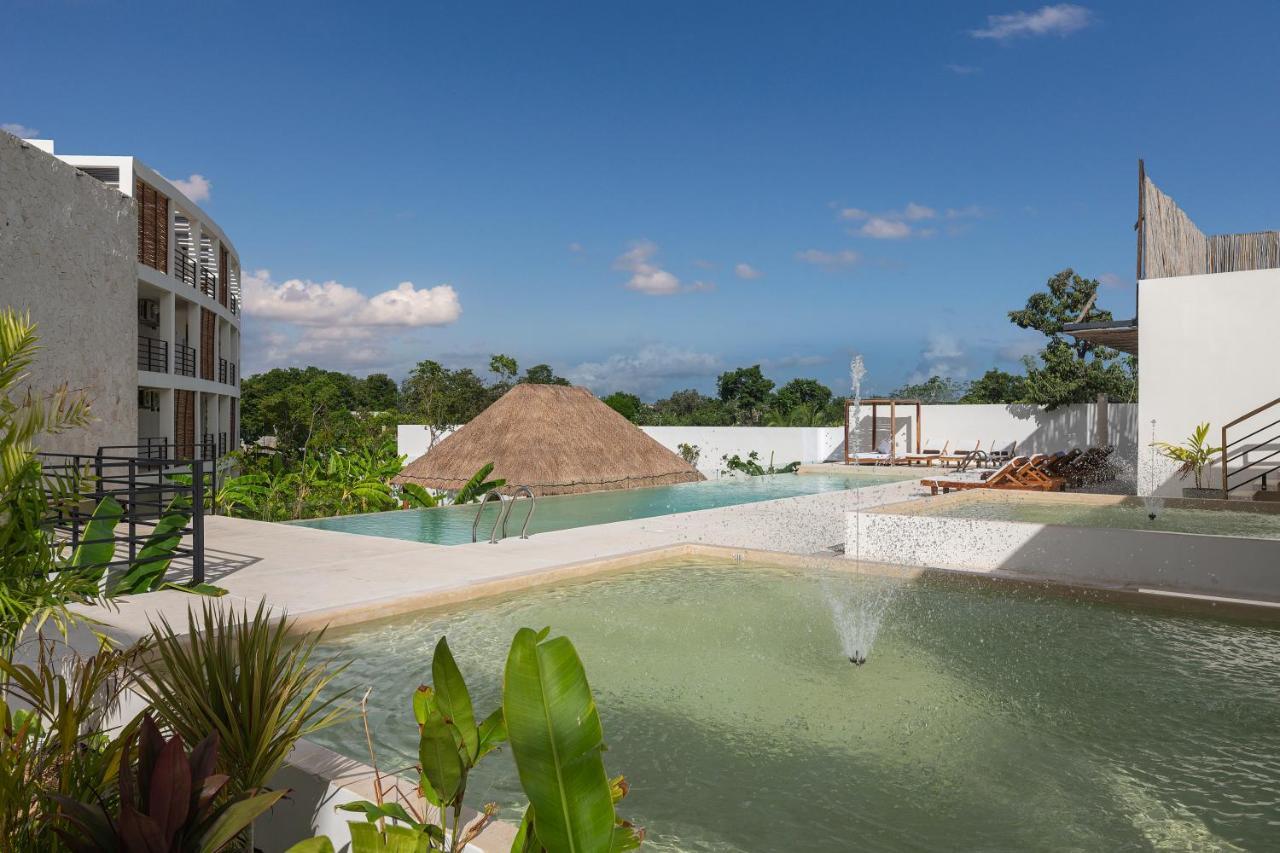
(208, 283)
(226, 372)
(184, 360)
(222, 444)
(184, 269)
(153, 354)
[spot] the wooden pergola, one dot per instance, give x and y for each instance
(876, 403)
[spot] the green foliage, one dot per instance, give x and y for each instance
(504, 367)
(478, 486)
(996, 386)
(240, 675)
(541, 374)
(557, 744)
(751, 465)
(689, 408)
(809, 393)
(377, 392)
(171, 803)
(1071, 371)
(627, 405)
(746, 392)
(1193, 455)
(935, 389)
(442, 398)
(690, 453)
(53, 738)
(338, 481)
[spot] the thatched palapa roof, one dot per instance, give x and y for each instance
(555, 439)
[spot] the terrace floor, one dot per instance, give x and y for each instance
(321, 576)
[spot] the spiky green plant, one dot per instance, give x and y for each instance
(243, 676)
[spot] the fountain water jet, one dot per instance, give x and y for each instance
(1152, 502)
(858, 608)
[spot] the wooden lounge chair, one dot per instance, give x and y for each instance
(1000, 453)
(962, 455)
(928, 457)
(1004, 477)
(1091, 466)
(1039, 472)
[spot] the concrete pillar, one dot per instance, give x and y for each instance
(168, 325)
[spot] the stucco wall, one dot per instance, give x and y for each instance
(68, 249)
(1206, 352)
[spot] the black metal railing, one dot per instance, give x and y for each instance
(184, 269)
(153, 354)
(153, 447)
(222, 444)
(231, 373)
(222, 370)
(146, 489)
(208, 283)
(235, 302)
(184, 360)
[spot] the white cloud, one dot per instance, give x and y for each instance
(971, 211)
(963, 70)
(880, 228)
(943, 355)
(1062, 19)
(196, 187)
(646, 371)
(794, 361)
(576, 248)
(745, 270)
(310, 303)
(328, 324)
(915, 212)
(830, 260)
(20, 130)
(1110, 279)
(855, 213)
(649, 278)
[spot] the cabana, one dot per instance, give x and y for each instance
(875, 457)
(555, 439)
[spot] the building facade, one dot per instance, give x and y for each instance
(188, 310)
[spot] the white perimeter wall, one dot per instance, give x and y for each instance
(1031, 428)
(1206, 352)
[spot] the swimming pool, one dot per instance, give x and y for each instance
(1131, 514)
(451, 525)
(984, 718)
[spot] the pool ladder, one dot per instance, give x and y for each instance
(504, 510)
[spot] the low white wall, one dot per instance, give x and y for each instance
(1105, 557)
(1205, 345)
(1031, 428)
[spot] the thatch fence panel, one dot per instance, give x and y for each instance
(1172, 245)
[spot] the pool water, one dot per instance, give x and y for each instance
(1131, 516)
(984, 719)
(451, 525)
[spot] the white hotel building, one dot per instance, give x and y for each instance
(187, 293)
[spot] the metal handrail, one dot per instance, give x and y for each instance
(475, 525)
(533, 504)
(1227, 456)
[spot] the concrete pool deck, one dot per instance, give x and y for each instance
(326, 577)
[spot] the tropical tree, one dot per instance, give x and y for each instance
(803, 392)
(745, 391)
(996, 386)
(542, 374)
(1075, 370)
(935, 389)
(628, 405)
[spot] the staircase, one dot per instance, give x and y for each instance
(1252, 457)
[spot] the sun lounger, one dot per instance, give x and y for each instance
(962, 455)
(1091, 466)
(928, 457)
(1001, 453)
(979, 480)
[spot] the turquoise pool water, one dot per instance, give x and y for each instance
(452, 525)
(984, 719)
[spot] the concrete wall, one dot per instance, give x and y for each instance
(1206, 352)
(1032, 429)
(68, 250)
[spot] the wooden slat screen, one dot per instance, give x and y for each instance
(153, 226)
(222, 275)
(208, 325)
(1172, 245)
(184, 423)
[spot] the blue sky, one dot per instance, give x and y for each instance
(645, 194)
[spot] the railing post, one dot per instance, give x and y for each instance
(197, 522)
(133, 510)
(1225, 494)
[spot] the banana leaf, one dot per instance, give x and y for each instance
(453, 700)
(149, 567)
(556, 740)
(97, 540)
